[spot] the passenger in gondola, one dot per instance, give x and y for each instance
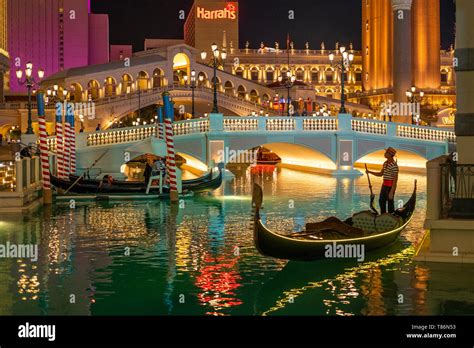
(390, 178)
(107, 181)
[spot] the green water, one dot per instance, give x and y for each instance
(199, 259)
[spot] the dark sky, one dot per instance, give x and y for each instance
(131, 21)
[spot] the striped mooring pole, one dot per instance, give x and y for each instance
(59, 142)
(72, 139)
(170, 159)
(44, 150)
(67, 144)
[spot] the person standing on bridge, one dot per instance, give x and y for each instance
(390, 179)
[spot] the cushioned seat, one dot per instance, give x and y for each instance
(365, 221)
(387, 222)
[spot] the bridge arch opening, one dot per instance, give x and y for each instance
(202, 79)
(406, 160)
(293, 156)
(110, 86)
(158, 78)
(142, 80)
(192, 164)
(76, 92)
(254, 96)
(242, 92)
(127, 84)
(181, 68)
(229, 88)
(93, 87)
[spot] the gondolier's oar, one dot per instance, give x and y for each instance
(82, 175)
(372, 196)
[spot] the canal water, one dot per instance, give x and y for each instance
(146, 258)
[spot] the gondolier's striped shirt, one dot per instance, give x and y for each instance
(390, 172)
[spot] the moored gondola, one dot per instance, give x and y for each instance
(203, 179)
(362, 229)
(87, 187)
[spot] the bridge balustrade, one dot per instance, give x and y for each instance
(280, 124)
(240, 124)
(425, 133)
(191, 126)
(320, 124)
(371, 127)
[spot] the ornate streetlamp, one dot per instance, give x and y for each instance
(192, 85)
(343, 65)
(413, 98)
(30, 82)
(217, 60)
(289, 82)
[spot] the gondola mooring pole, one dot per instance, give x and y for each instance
(60, 141)
(44, 150)
(170, 159)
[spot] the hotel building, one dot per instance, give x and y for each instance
(4, 57)
(54, 35)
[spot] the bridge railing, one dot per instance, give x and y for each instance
(425, 133)
(369, 126)
(266, 124)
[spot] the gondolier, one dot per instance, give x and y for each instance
(389, 173)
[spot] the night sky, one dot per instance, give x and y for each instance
(131, 21)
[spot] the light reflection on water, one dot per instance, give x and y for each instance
(147, 258)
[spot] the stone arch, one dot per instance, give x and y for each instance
(158, 77)
(254, 97)
(254, 73)
(242, 92)
(181, 67)
(93, 89)
(300, 74)
(76, 92)
(202, 81)
(229, 88)
(110, 87)
(127, 84)
(142, 80)
(265, 99)
(239, 71)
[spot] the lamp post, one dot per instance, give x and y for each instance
(289, 82)
(29, 82)
(217, 56)
(53, 95)
(414, 97)
(343, 65)
(192, 85)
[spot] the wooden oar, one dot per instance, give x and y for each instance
(372, 196)
(82, 175)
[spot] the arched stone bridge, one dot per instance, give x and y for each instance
(332, 144)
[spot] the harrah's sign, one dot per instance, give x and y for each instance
(230, 12)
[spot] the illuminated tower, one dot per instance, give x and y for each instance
(377, 48)
(401, 45)
(402, 49)
(4, 59)
(426, 42)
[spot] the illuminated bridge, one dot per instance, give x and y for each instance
(332, 145)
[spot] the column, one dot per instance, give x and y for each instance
(465, 80)
(402, 49)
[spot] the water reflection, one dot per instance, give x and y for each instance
(139, 258)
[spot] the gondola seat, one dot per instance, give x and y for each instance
(387, 222)
(365, 220)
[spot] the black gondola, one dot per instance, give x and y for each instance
(203, 179)
(104, 187)
(299, 246)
